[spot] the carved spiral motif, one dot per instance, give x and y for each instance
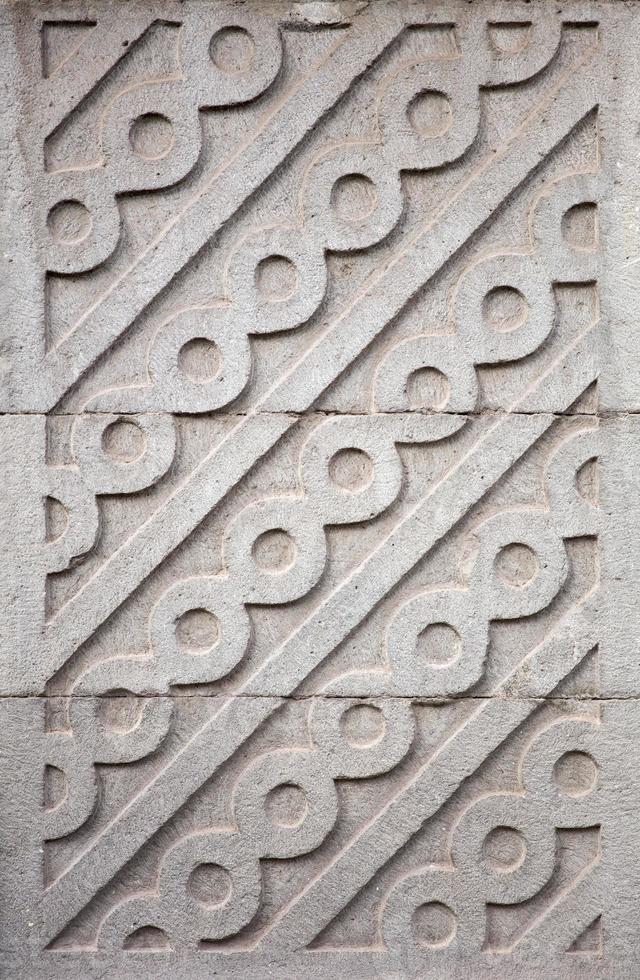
(284, 804)
(445, 93)
(518, 567)
(503, 846)
(502, 308)
(274, 552)
(151, 138)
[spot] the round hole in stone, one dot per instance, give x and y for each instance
(516, 565)
(232, 50)
(197, 631)
(56, 519)
(69, 222)
(351, 470)
(210, 885)
(575, 774)
(433, 925)
(439, 645)
(124, 441)
(151, 136)
(579, 226)
(286, 805)
(363, 725)
(354, 198)
(274, 551)
(504, 849)
(276, 279)
(429, 114)
(504, 309)
(120, 710)
(428, 389)
(199, 359)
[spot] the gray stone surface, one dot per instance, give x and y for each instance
(318, 424)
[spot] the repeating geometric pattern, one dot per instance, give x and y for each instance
(305, 621)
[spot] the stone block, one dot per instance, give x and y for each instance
(385, 837)
(278, 206)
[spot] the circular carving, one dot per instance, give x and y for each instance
(276, 279)
(428, 388)
(274, 551)
(351, 470)
(429, 113)
(504, 849)
(197, 631)
(286, 805)
(210, 885)
(286, 802)
(69, 222)
(124, 441)
(439, 645)
(354, 198)
(232, 50)
(516, 565)
(200, 360)
(433, 925)
(363, 725)
(575, 774)
(119, 710)
(151, 136)
(505, 309)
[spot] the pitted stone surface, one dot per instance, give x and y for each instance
(320, 514)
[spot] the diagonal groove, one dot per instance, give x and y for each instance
(422, 255)
(337, 884)
(95, 60)
(567, 915)
(349, 603)
(158, 536)
(490, 723)
(364, 318)
(294, 116)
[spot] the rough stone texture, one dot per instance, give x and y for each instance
(320, 512)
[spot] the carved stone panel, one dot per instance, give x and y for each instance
(318, 419)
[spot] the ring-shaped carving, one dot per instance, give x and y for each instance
(346, 505)
(461, 614)
(216, 597)
(301, 566)
(209, 84)
(306, 772)
(369, 757)
(438, 352)
(268, 310)
(382, 207)
(112, 473)
(80, 533)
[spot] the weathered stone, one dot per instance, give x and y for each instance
(320, 513)
(481, 835)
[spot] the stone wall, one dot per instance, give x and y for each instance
(320, 554)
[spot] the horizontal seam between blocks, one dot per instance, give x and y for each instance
(416, 698)
(331, 413)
